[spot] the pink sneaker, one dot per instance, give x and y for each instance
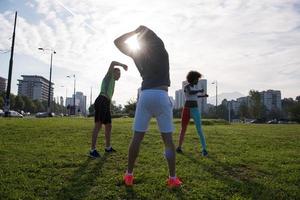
(128, 179)
(174, 183)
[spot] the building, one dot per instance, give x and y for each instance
(179, 99)
(2, 84)
(172, 101)
(235, 106)
(61, 101)
(69, 101)
(35, 87)
(202, 102)
(271, 99)
(80, 103)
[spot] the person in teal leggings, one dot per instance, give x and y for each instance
(191, 109)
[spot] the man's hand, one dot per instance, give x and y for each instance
(116, 63)
(125, 67)
(204, 95)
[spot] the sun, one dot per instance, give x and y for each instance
(133, 43)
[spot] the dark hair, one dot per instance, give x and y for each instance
(192, 76)
(117, 69)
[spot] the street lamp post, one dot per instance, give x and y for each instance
(216, 83)
(49, 92)
(74, 92)
(7, 97)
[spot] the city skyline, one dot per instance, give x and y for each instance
(243, 45)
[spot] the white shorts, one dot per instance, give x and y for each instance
(154, 103)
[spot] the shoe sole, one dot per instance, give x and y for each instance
(173, 187)
(110, 151)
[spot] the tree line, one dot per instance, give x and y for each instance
(23, 103)
(254, 109)
(118, 110)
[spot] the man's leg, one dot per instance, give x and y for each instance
(96, 130)
(134, 149)
(169, 152)
(107, 135)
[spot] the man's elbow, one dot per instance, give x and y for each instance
(117, 43)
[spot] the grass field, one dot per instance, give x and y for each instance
(46, 159)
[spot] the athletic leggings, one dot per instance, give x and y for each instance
(185, 118)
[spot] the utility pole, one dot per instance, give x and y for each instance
(74, 95)
(50, 77)
(216, 82)
(7, 99)
(91, 96)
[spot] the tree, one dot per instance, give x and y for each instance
(222, 110)
(177, 113)
(130, 107)
(295, 112)
(116, 109)
(19, 103)
(243, 111)
(92, 110)
(29, 106)
(12, 99)
(287, 104)
(1, 102)
(255, 104)
(274, 113)
(39, 106)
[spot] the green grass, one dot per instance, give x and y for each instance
(46, 159)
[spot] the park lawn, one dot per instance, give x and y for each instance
(46, 159)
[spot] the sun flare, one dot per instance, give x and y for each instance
(133, 43)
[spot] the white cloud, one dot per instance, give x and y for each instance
(242, 44)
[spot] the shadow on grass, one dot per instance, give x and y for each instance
(239, 179)
(83, 179)
(130, 193)
(178, 192)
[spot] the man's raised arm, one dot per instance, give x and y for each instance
(116, 63)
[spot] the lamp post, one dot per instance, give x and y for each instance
(49, 92)
(74, 92)
(7, 97)
(216, 83)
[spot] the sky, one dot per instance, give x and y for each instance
(243, 45)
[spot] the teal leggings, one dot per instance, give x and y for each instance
(185, 118)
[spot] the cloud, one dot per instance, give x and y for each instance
(238, 43)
